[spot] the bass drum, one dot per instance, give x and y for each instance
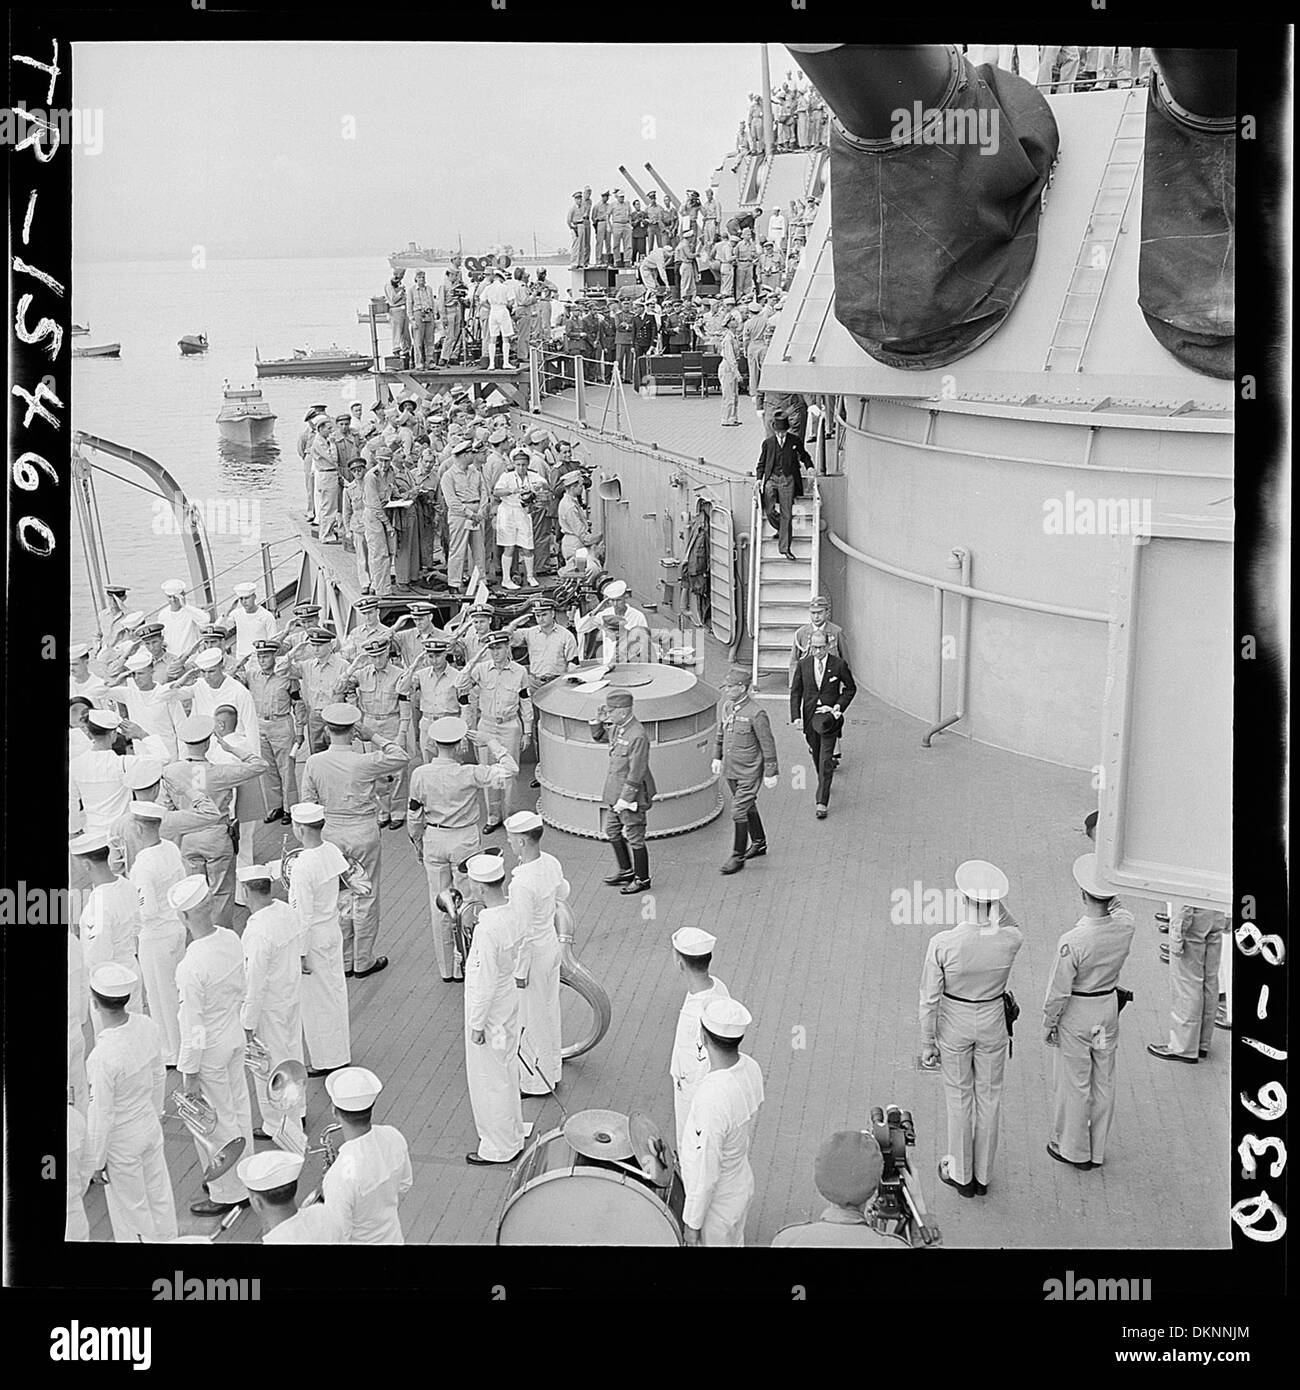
(559, 1197)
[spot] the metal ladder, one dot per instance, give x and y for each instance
(782, 589)
(1088, 280)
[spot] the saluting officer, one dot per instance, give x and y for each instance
(272, 1182)
(495, 690)
(963, 1021)
(444, 810)
(319, 668)
(412, 631)
(744, 753)
(693, 954)
(628, 791)
(275, 691)
(376, 682)
(430, 688)
(1081, 1019)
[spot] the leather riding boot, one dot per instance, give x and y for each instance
(624, 859)
(641, 873)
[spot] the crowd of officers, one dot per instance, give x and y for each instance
(800, 118)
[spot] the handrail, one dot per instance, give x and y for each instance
(755, 560)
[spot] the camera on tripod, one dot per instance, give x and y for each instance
(895, 1133)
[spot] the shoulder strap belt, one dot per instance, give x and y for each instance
(1093, 993)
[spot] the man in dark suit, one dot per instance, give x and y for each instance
(780, 479)
(629, 789)
(820, 691)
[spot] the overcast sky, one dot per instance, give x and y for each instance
(244, 148)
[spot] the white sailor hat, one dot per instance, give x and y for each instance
(104, 719)
(570, 478)
(78, 651)
(449, 729)
(726, 1018)
(353, 1088)
(519, 452)
(523, 820)
(209, 658)
(147, 810)
(172, 587)
(692, 941)
(133, 619)
(244, 590)
(89, 842)
(461, 446)
(1087, 874)
(265, 1172)
(143, 772)
(252, 873)
(307, 813)
(615, 589)
(341, 715)
(113, 980)
(188, 893)
(138, 660)
(486, 868)
(981, 881)
(196, 728)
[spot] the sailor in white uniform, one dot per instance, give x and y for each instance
(156, 868)
(272, 1182)
(253, 623)
(273, 974)
(210, 981)
(78, 1012)
(314, 881)
(78, 1175)
(110, 921)
(124, 1128)
(537, 884)
(373, 1170)
(716, 1174)
(693, 954)
(182, 623)
(492, 1019)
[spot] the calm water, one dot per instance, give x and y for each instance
(165, 405)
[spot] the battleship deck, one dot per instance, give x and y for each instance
(807, 942)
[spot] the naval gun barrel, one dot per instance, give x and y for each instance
(632, 183)
(1203, 81)
(668, 192)
(866, 85)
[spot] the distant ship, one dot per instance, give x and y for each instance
(193, 343)
(330, 361)
(428, 257)
(245, 417)
(102, 350)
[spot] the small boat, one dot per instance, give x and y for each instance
(330, 361)
(193, 343)
(100, 350)
(245, 417)
(381, 310)
(79, 329)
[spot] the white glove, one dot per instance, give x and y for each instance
(717, 766)
(621, 805)
(770, 782)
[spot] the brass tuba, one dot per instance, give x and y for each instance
(257, 1059)
(356, 877)
(286, 1088)
(328, 1146)
(198, 1116)
(583, 983)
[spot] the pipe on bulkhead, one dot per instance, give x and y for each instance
(959, 558)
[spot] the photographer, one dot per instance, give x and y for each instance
(848, 1174)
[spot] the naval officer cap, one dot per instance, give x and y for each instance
(726, 1018)
(319, 636)
(88, 843)
(196, 728)
(848, 1167)
(188, 893)
(147, 810)
(522, 821)
(173, 587)
(486, 868)
(209, 658)
(543, 605)
(462, 446)
(245, 589)
(692, 941)
(372, 646)
(498, 436)
(305, 610)
(266, 644)
(341, 715)
(133, 619)
(981, 881)
(78, 651)
(497, 639)
(313, 410)
(105, 720)
(1087, 874)
(151, 630)
(368, 603)
(449, 729)
(213, 632)
(138, 660)
(254, 873)
(353, 1088)
(481, 610)
(113, 981)
(143, 772)
(267, 1171)
(420, 610)
(307, 813)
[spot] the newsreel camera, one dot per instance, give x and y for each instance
(898, 1207)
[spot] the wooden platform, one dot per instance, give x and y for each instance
(807, 942)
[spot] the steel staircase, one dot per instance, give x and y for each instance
(781, 589)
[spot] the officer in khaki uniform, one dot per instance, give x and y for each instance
(628, 791)
(744, 753)
(963, 1022)
(1195, 950)
(1081, 1020)
(275, 691)
(319, 668)
(444, 817)
(430, 687)
(411, 634)
(377, 682)
(495, 689)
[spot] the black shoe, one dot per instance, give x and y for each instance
(492, 827)
(964, 1189)
(397, 824)
(1203, 1053)
(821, 811)
(788, 555)
(733, 865)
(980, 1189)
(534, 783)
(1167, 1054)
(205, 1206)
(348, 972)
(1061, 1158)
(272, 816)
(623, 876)
(380, 963)
(489, 1162)
(757, 850)
(637, 885)
(325, 1071)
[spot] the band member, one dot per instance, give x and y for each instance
(716, 1174)
(272, 1012)
(124, 1129)
(272, 1182)
(156, 868)
(110, 920)
(537, 884)
(693, 954)
(343, 782)
(314, 879)
(629, 789)
(78, 1174)
(373, 1170)
(210, 981)
(1081, 1019)
(78, 1012)
(444, 818)
(963, 1021)
(492, 1019)
(744, 753)
(821, 690)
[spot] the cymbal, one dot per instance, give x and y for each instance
(648, 1148)
(599, 1134)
